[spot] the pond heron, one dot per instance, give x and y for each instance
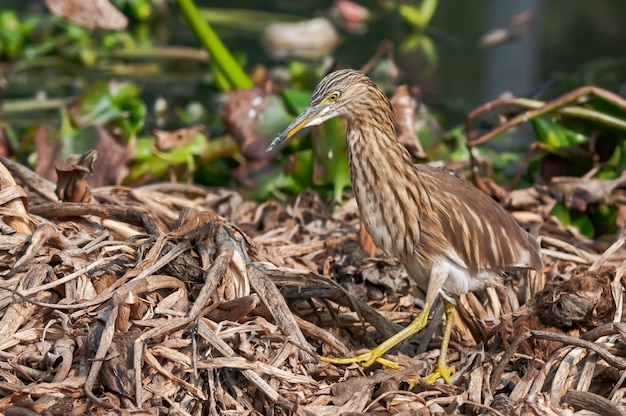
(451, 237)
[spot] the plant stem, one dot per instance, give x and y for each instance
(221, 58)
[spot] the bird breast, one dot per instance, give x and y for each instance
(387, 199)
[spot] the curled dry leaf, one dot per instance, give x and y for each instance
(72, 177)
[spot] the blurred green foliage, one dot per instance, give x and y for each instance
(581, 131)
(149, 162)
(115, 105)
(317, 160)
(37, 35)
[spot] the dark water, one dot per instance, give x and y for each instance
(567, 44)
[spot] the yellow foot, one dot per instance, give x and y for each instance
(365, 360)
(441, 371)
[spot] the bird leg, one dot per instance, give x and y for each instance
(438, 275)
(442, 370)
(376, 354)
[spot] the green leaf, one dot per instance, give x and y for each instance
(580, 220)
(146, 164)
(11, 35)
(300, 169)
(115, 104)
(272, 183)
(584, 224)
(297, 100)
(619, 156)
(606, 107)
(152, 163)
(556, 135)
(423, 43)
(561, 212)
(274, 118)
(428, 8)
(418, 16)
(455, 139)
(134, 113)
(140, 9)
(67, 130)
(330, 157)
(604, 217)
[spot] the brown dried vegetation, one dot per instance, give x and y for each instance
(176, 299)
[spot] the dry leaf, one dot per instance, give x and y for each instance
(404, 102)
(169, 140)
(241, 116)
(112, 160)
(90, 14)
(72, 177)
(48, 153)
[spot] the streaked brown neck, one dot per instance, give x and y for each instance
(371, 134)
(381, 172)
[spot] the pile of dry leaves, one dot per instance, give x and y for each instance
(175, 299)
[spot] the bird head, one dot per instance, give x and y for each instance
(335, 95)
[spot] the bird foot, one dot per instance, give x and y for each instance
(442, 371)
(365, 360)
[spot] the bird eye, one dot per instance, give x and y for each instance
(332, 97)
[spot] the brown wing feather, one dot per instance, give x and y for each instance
(480, 231)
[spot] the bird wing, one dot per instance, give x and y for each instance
(479, 234)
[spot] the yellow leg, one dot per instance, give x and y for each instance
(442, 370)
(376, 354)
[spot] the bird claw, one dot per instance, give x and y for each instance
(365, 360)
(441, 371)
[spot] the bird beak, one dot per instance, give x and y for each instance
(306, 119)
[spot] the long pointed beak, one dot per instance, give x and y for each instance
(305, 119)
